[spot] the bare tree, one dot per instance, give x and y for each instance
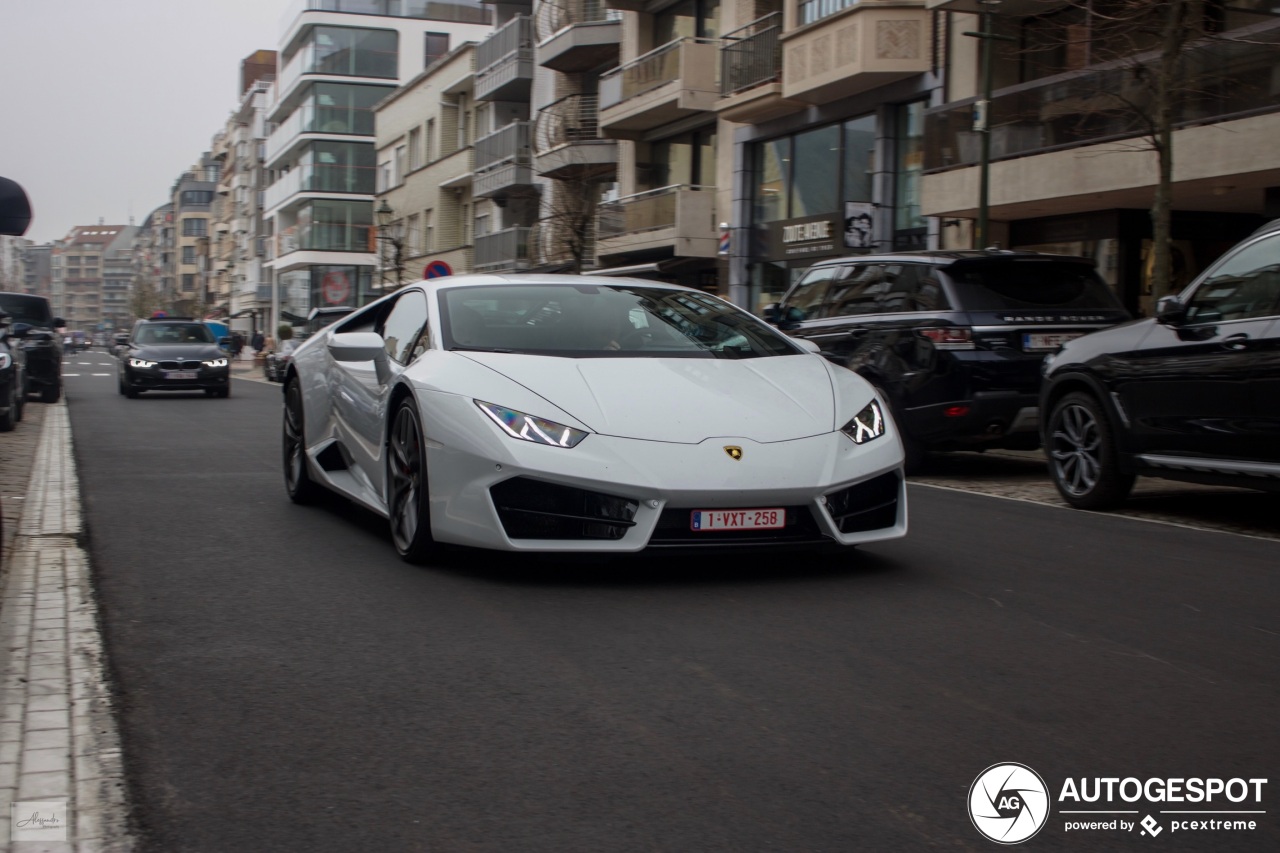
(144, 298)
(1142, 62)
(567, 228)
(568, 141)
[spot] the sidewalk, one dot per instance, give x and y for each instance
(60, 763)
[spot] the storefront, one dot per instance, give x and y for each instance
(324, 286)
(846, 184)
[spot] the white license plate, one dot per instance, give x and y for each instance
(737, 519)
(1047, 340)
(182, 374)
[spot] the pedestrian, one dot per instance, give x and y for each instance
(257, 341)
(237, 344)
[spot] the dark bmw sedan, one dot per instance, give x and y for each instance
(174, 355)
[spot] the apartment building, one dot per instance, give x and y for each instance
(117, 282)
(36, 273)
(77, 264)
(425, 163)
(152, 251)
(12, 252)
(1070, 170)
(239, 283)
(338, 59)
(187, 273)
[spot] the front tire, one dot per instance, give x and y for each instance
(297, 479)
(1083, 459)
(408, 504)
(10, 418)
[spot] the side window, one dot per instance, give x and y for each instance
(1244, 286)
(808, 295)
(860, 289)
(404, 332)
(901, 284)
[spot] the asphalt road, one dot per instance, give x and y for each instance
(288, 684)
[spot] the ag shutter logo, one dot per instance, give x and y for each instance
(1008, 803)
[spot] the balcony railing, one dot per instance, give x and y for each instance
(322, 178)
(751, 55)
(514, 38)
(462, 11)
(555, 16)
(1218, 80)
(349, 121)
(656, 68)
(646, 211)
(510, 145)
(575, 118)
(502, 251)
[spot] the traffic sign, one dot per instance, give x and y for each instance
(437, 269)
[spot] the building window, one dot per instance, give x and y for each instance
(431, 140)
(384, 176)
(195, 227)
(401, 159)
(482, 225)
(190, 197)
(428, 232)
(188, 283)
(908, 225)
(188, 254)
(437, 46)
(688, 19)
(353, 52)
(812, 189)
(415, 148)
(816, 10)
(413, 235)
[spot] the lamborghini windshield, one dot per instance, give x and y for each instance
(603, 321)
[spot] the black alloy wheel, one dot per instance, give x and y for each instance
(1083, 460)
(297, 480)
(408, 506)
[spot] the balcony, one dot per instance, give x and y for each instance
(503, 251)
(330, 121)
(664, 85)
(578, 35)
(677, 220)
(853, 50)
(567, 142)
(320, 179)
(504, 62)
(1220, 80)
(751, 72)
(502, 162)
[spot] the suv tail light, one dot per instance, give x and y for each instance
(950, 337)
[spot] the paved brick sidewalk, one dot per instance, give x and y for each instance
(59, 751)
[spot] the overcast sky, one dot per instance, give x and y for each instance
(107, 102)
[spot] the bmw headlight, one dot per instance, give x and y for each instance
(529, 428)
(141, 362)
(216, 362)
(867, 424)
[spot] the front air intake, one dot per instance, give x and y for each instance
(872, 505)
(532, 509)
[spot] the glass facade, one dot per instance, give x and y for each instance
(328, 225)
(351, 52)
(812, 172)
(338, 167)
(464, 11)
(908, 225)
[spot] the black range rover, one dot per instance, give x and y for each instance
(954, 340)
(34, 323)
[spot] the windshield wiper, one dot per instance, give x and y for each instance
(479, 349)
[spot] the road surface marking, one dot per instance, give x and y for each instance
(99, 374)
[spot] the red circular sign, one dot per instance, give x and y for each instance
(437, 269)
(336, 288)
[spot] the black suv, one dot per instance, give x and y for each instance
(34, 323)
(174, 354)
(953, 340)
(1191, 394)
(13, 375)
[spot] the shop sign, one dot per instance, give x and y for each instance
(811, 236)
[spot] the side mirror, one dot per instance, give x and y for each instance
(1170, 311)
(362, 346)
(770, 313)
(808, 345)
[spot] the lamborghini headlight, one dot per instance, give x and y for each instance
(141, 362)
(867, 424)
(530, 428)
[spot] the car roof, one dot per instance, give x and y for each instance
(482, 279)
(1273, 225)
(946, 257)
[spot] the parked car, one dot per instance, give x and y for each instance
(174, 354)
(580, 413)
(34, 323)
(1191, 394)
(13, 374)
(276, 364)
(952, 340)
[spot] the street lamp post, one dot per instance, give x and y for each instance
(392, 244)
(982, 123)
